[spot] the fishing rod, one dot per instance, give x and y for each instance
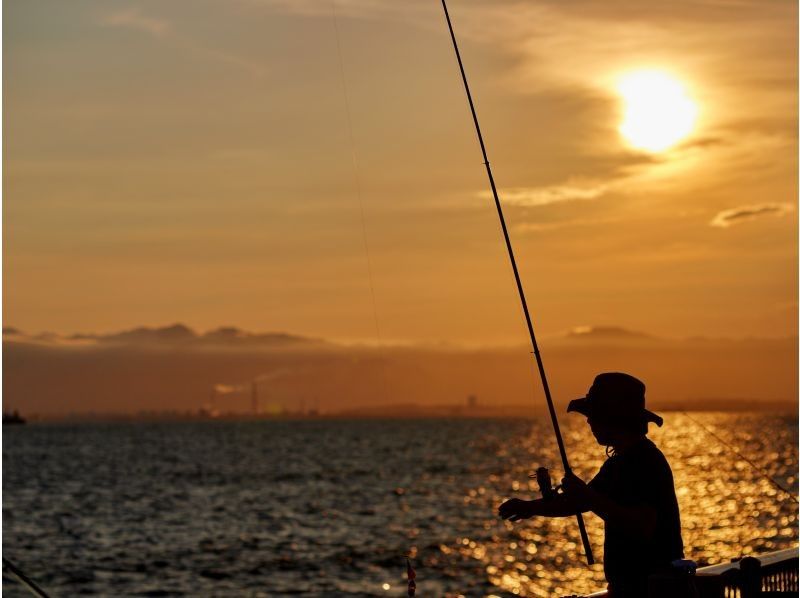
(561, 449)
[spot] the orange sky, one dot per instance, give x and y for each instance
(191, 161)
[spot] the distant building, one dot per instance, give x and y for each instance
(472, 402)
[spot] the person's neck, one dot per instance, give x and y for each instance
(624, 444)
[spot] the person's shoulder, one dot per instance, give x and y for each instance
(649, 447)
(652, 455)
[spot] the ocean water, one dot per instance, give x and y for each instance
(330, 508)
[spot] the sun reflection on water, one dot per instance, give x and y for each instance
(727, 509)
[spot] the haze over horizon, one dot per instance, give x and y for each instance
(177, 331)
(174, 368)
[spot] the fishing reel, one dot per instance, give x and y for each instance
(546, 487)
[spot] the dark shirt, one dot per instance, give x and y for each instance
(640, 477)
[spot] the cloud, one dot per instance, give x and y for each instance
(533, 227)
(226, 389)
(133, 18)
(174, 336)
(580, 50)
(727, 218)
(535, 197)
(543, 196)
(607, 334)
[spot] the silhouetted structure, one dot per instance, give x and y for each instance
(13, 417)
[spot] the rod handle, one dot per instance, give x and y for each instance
(587, 547)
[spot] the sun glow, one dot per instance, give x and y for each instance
(658, 112)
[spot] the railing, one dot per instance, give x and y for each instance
(769, 575)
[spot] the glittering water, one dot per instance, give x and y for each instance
(331, 507)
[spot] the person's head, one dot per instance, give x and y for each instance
(615, 432)
(614, 407)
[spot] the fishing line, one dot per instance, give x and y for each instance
(743, 458)
(23, 579)
(356, 173)
(411, 574)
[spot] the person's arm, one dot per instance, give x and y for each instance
(639, 520)
(560, 505)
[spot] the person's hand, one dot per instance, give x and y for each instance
(576, 489)
(515, 509)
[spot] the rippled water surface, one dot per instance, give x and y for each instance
(330, 507)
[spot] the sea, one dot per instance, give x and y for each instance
(333, 507)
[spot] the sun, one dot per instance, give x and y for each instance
(658, 113)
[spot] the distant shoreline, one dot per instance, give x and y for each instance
(410, 411)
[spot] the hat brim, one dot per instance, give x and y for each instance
(584, 407)
(580, 406)
(652, 417)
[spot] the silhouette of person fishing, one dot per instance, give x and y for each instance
(633, 492)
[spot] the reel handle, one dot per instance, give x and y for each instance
(545, 483)
(548, 492)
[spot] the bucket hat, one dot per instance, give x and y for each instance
(615, 396)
